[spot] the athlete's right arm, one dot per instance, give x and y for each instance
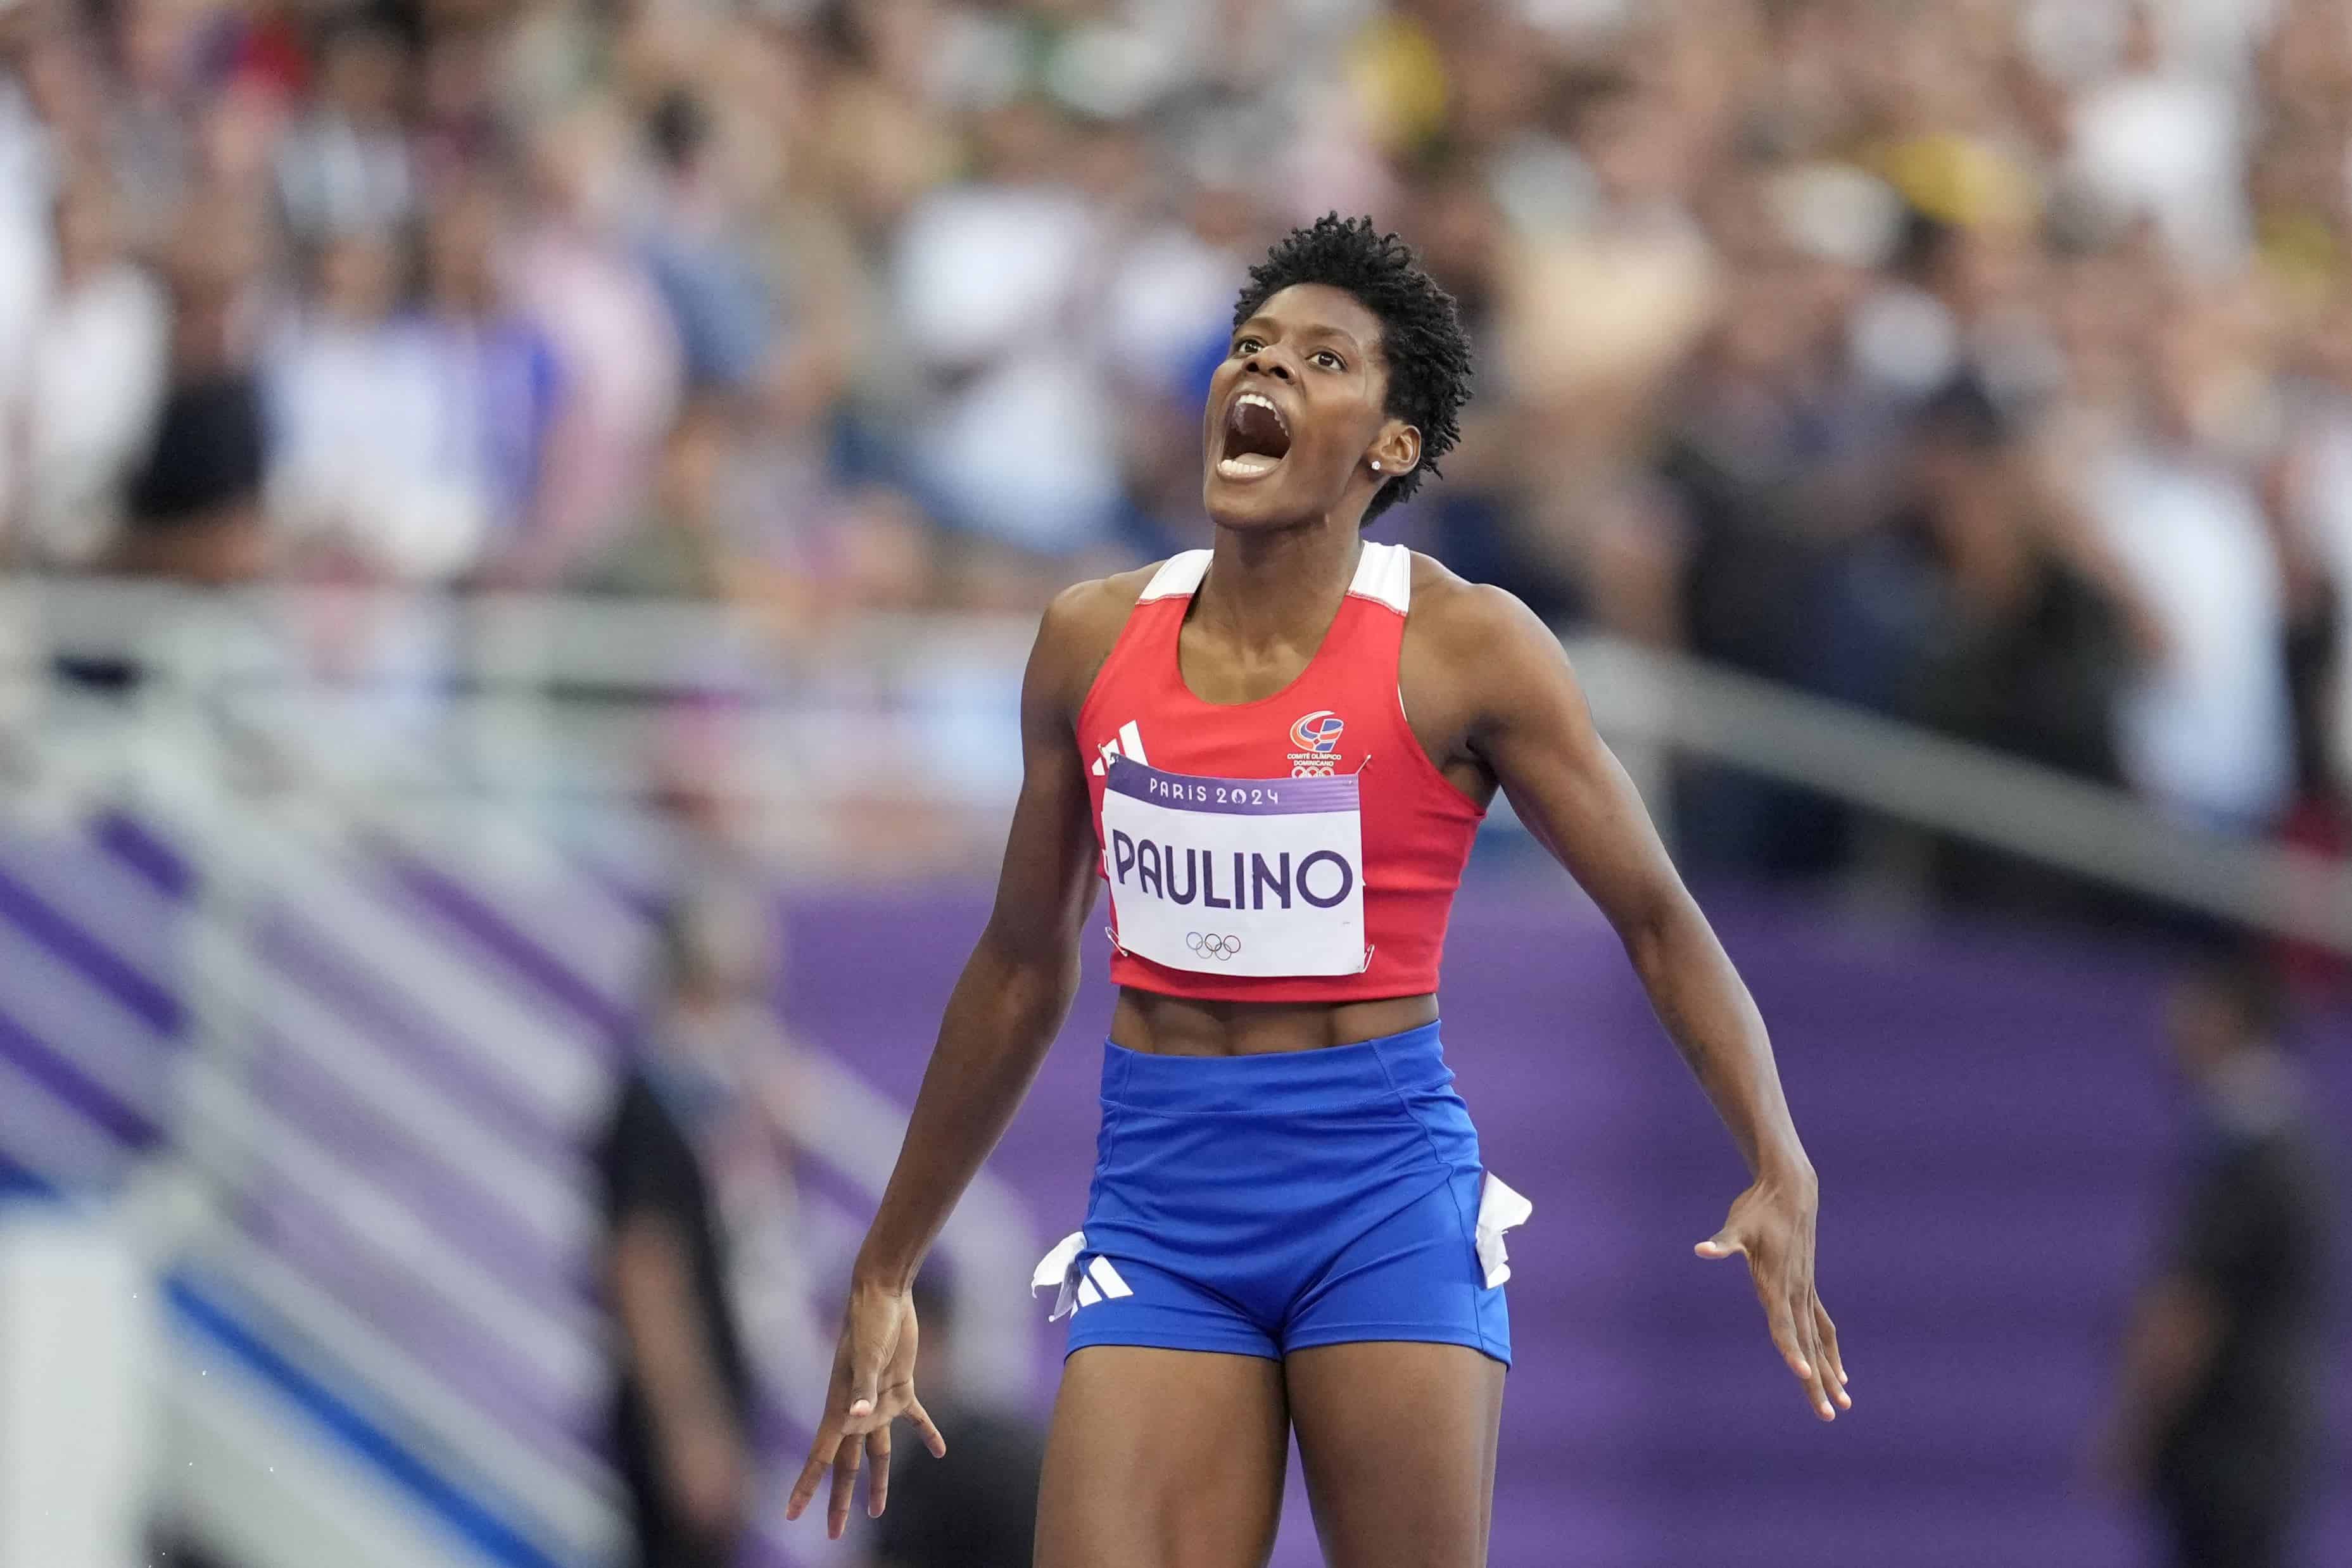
(1001, 1018)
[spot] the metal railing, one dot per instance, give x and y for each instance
(578, 703)
(242, 728)
(1649, 703)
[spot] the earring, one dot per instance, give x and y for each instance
(1376, 465)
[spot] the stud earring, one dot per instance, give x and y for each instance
(1376, 465)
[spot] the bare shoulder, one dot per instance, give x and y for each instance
(1462, 623)
(1079, 626)
(1096, 605)
(1477, 660)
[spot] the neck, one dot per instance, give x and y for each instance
(2252, 1089)
(1278, 585)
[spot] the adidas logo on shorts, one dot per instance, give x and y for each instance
(1101, 1281)
(1080, 1287)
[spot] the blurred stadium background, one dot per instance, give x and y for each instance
(474, 471)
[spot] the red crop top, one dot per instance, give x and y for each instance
(1301, 847)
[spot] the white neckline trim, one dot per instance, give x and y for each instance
(1178, 577)
(1383, 572)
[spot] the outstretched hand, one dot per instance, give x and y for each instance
(1772, 1225)
(873, 1384)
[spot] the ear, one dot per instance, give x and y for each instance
(1397, 450)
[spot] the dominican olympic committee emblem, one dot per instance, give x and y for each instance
(1316, 737)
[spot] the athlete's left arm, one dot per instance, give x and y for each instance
(1526, 720)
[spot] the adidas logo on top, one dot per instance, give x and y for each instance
(1129, 745)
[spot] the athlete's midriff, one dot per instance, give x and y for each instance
(1281, 871)
(1189, 1026)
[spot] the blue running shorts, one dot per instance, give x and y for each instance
(1261, 1205)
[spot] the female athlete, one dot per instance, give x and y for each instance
(1274, 754)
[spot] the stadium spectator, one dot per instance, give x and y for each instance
(2208, 730)
(2164, 137)
(495, 370)
(718, 296)
(345, 165)
(682, 1414)
(2215, 1418)
(951, 269)
(681, 548)
(196, 501)
(2019, 633)
(370, 454)
(616, 352)
(1010, 435)
(87, 386)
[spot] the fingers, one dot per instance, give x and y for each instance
(920, 1419)
(1791, 1334)
(1825, 1331)
(1821, 1389)
(1791, 1331)
(820, 1459)
(844, 1485)
(1781, 1324)
(1779, 1264)
(840, 1451)
(1819, 1337)
(877, 1478)
(1791, 1283)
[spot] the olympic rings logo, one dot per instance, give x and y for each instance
(1211, 945)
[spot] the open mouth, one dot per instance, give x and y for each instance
(1257, 438)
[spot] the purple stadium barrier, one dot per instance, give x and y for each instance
(1992, 1122)
(1987, 1110)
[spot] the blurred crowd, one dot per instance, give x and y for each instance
(1988, 362)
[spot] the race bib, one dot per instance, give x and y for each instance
(1258, 877)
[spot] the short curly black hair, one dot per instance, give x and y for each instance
(1422, 341)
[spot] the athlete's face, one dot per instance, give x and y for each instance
(1295, 420)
